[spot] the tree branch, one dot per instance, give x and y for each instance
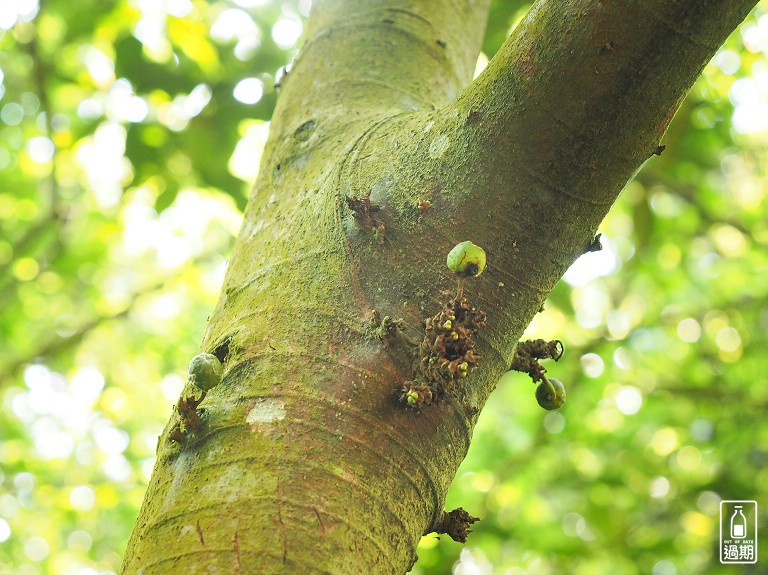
(59, 344)
(599, 81)
(383, 56)
(53, 217)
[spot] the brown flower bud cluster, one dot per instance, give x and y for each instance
(447, 351)
(415, 394)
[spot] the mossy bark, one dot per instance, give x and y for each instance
(305, 460)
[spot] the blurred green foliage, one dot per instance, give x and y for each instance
(130, 131)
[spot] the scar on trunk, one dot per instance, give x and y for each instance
(385, 329)
(222, 350)
(365, 214)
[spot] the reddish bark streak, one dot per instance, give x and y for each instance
(280, 522)
(236, 548)
(320, 521)
(200, 533)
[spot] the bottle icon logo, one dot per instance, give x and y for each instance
(738, 523)
(738, 532)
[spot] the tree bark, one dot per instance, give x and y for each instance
(306, 460)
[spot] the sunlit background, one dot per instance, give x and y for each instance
(130, 132)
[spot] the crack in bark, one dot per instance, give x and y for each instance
(319, 520)
(200, 532)
(410, 13)
(236, 548)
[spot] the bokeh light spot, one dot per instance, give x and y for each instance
(5, 530)
(659, 487)
(36, 548)
(689, 330)
(728, 339)
(629, 400)
(592, 365)
(665, 441)
(286, 32)
(82, 498)
(248, 90)
(40, 149)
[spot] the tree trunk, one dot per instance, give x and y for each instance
(306, 460)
